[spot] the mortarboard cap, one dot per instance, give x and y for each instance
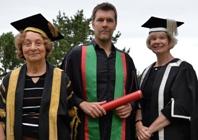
(38, 23)
(159, 24)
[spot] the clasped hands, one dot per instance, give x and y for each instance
(143, 132)
(95, 110)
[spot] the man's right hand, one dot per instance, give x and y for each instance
(93, 109)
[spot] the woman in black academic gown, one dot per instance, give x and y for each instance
(35, 98)
(169, 86)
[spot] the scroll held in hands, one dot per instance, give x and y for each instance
(122, 100)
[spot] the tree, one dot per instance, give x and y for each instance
(76, 31)
(8, 60)
(138, 76)
(127, 51)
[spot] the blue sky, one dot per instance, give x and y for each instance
(131, 15)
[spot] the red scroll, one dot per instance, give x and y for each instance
(122, 100)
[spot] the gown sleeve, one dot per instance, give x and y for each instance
(73, 69)
(3, 104)
(182, 92)
(73, 117)
(194, 116)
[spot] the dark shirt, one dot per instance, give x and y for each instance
(31, 106)
(105, 74)
(105, 84)
(146, 101)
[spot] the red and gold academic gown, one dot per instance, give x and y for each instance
(53, 121)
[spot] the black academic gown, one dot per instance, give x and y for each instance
(174, 89)
(72, 66)
(64, 104)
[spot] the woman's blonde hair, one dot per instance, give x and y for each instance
(172, 40)
(19, 39)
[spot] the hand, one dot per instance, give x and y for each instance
(124, 111)
(93, 109)
(2, 136)
(142, 132)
